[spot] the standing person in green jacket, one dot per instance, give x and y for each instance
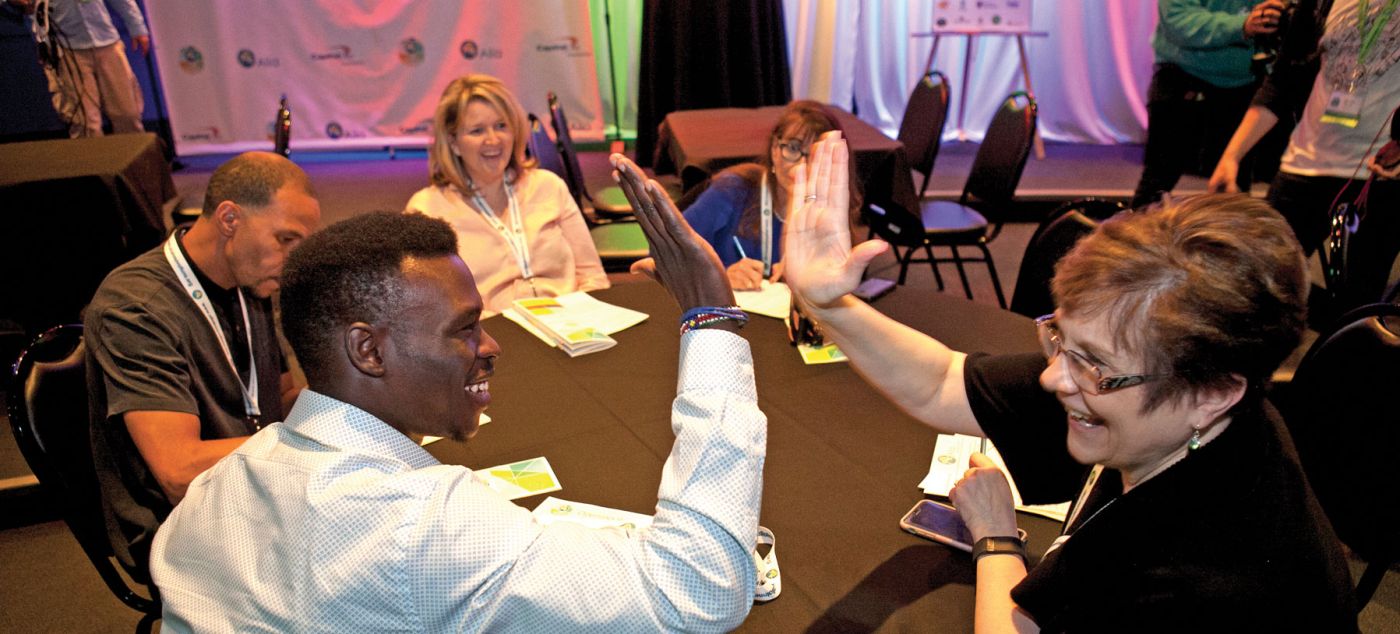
(1201, 85)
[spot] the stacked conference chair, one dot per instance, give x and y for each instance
(1340, 410)
(49, 416)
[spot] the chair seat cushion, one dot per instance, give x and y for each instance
(620, 240)
(947, 220)
(611, 201)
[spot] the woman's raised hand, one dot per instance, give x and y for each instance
(819, 264)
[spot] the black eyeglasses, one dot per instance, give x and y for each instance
(792, 150)
(1085, 373)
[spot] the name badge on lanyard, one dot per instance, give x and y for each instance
(1345, 102)
(514, 234)
(196, 293)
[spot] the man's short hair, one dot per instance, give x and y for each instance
(251, 179)
(1200, 288)
(351, 272)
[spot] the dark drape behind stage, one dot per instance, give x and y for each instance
(709, 54)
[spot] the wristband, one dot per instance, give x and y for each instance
(999, 545)
(708, 316)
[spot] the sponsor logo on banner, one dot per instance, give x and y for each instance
(334, 130)
(411, 52)
(248, 59)
(567, 45)
(207, 133)
(422, 127)
(340, 53)
(191, 60)
(470, 50)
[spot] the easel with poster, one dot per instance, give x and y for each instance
(973, 18)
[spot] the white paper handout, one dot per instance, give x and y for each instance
(950, 456)
(553, 510)
(576, 323)
(772, 299)
(428, 440)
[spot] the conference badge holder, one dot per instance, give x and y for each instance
(770, 581)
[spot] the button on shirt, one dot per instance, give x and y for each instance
(87, 24)
(333, 521)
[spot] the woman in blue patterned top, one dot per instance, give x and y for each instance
(741, 213)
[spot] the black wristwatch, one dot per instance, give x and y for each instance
(999, 545)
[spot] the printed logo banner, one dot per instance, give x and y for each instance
(361, 75)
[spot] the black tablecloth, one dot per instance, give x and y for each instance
(699, 143)
(843, 464)
(73, 210)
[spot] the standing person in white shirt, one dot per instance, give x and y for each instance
(336, 520)
(95, 77)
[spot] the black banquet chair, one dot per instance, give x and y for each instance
(619, 244)
(1340, 410)
(48, 409)
(541, 148)
(609, 203)
(974, 219)
(1054, 238)
(921, 129)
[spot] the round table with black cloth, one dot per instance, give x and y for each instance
(843, 463)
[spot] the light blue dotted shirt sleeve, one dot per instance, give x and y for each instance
(335, 522)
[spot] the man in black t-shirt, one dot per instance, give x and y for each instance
(183, 357)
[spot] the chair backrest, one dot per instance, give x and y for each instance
(894, 224)
(996, 170)
(1051, 242)
(1392, 294)
(1341, 411)
(1096, 209)
(48, 406)
(542, 149)
(573, 171)
(921, 129)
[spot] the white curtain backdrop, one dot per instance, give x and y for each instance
(1090, 72)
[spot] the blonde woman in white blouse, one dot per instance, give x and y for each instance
(518, 229)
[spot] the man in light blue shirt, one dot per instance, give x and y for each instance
(93, 77)
(336, 520)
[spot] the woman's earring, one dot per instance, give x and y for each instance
(1195, 442)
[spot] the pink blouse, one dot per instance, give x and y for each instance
(562, 254)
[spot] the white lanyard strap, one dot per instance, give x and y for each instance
(1089, 483)
(196, 293)
(515, 234)
(766, 209)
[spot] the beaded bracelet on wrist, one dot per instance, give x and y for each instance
(709, 316)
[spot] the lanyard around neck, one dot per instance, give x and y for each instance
(196, 293)
(1372, 31)
(514, 234)
(765, 199)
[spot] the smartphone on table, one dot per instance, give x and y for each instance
(941, 523)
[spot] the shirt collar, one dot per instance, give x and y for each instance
(338, 424)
